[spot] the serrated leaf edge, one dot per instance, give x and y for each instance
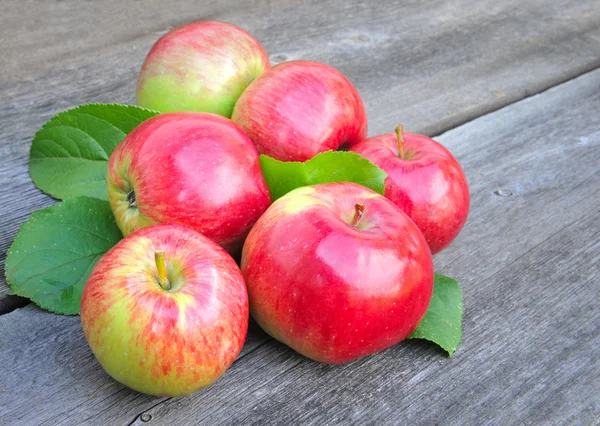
(34, 216)
(122, 108)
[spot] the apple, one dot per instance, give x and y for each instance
(192, 168)
(337, 272)
(424, 180)
(165, 311)
(203, 66)
(298, 109)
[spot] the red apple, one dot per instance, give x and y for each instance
(203, 66)
(424, 180)
(337, 272)
(165, 311)
(195, 169)
(298, 109)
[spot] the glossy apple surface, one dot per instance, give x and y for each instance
(425, 181)
(164, 341)
(204, 66)
(298, 109)
(194, 169)
(331, 284)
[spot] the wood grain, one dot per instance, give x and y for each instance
(47, 364)
(428, 65)
(528, 264)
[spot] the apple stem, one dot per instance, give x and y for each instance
(359, 209)
(399, 131)
(159, 257)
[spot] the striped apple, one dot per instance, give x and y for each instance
(165, 311)
(337, 272)
(190, 168)
(424, 180)
(203, 66)
(298, 109)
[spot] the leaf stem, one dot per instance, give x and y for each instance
(159, 258)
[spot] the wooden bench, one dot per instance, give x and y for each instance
(511, 88)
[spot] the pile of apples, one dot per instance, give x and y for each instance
(335, 271)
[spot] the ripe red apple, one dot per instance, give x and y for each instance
(424, 180)
(165, 311)
(298, 109)
(195, 169)
(203, 66)
(337, 272)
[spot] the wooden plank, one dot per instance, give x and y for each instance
(430, 65)
(427, 64)
(49, 376)
(521, 363)
(528, 264)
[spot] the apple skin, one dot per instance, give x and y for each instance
(298, 109)
(203, 66)
(332, 291)
(428, 184)
(165, 342)
(195, 169)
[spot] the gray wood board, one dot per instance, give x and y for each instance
(49, 376)
(528, 264)
(428, 65)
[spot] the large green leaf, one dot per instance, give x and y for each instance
(443, 321)
(69, 154)
(56, 249)
(330, 166)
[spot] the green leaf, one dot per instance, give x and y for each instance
(69, 154)
(330, 166)
(442, 324)
(56, 249)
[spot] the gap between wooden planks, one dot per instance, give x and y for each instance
(526, 262)
(432, 66)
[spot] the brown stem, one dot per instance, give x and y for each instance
(359, 210)
(159, 257)
(399, 131)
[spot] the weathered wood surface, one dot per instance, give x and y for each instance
(529, 266)
(49, 376)
(431, 65)
(528, 263)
